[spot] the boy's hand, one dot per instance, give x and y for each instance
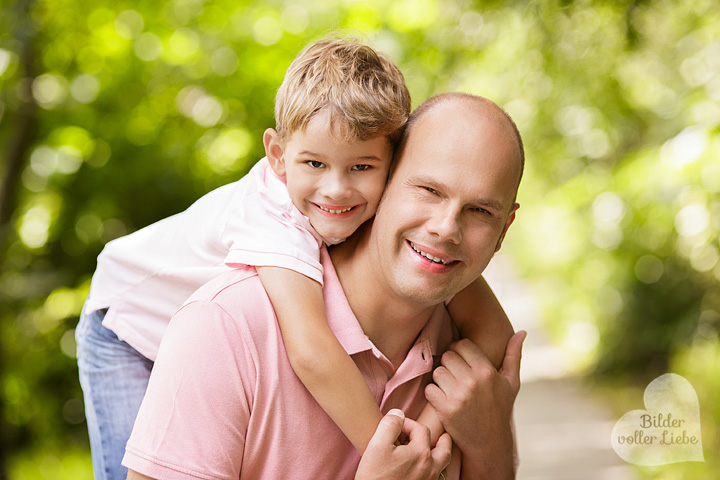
(384, 460)
(474, 401)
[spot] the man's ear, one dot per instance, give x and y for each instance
(274, 152)
(510, 220)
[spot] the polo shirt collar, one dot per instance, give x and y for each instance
(340, 316)
(432, 340)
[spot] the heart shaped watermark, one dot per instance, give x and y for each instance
(668, 431)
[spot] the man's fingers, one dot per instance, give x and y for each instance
(443, 378)
(511, 363)
(442, 453)
(455, 362)
(388, 430)
(469, 351)
(435, 395)
(418, 434)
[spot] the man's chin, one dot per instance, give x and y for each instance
(427, 297)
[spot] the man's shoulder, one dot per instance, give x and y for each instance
(237, 286)
(234, 306)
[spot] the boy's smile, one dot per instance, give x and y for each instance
(335, 211)
(336, 184)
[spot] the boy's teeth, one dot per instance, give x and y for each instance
(428, 256)
(336, 211)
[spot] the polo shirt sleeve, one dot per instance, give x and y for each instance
(266, 229)
(179, 433)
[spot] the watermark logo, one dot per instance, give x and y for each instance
(668, 431)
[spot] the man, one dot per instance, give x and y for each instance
(445, 211)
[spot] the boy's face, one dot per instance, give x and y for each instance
(337, 185)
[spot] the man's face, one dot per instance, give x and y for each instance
(337, 185)
(447, 207)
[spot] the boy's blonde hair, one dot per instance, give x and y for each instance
(364, 91)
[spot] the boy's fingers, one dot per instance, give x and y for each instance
(388, 430)
(511, 363)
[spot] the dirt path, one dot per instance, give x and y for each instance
(563, 432)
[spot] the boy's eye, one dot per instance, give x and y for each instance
(360, 168)
(314, 163)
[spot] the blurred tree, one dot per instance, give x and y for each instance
(124, 114)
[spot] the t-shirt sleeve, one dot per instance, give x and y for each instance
(179, 433)
(265, 229)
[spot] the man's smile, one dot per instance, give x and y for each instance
(430, 256)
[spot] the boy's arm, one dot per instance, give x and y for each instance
(480, 318)
(133, 475)
(317, 357)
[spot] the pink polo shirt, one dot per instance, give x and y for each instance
(224, 402)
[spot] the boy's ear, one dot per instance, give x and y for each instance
(274, 152)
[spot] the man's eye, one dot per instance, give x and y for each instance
(483, 211)
(360, 168)
(314, 163)
(431, 190)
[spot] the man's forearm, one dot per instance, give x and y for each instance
(493, 462)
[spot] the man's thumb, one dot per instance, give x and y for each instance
(389, 429)
(511, 363)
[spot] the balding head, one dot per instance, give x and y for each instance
(477, 108)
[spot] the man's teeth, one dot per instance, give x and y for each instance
(336, 211)
(428, 256)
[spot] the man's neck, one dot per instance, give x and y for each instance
(391, 322)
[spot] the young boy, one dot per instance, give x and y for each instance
(339, 113)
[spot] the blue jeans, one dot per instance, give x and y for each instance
(114, 377)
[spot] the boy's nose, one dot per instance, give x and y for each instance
(337, 188)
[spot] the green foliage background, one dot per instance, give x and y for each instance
(114, 114)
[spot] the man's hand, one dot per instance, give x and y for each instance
(384, 460)
(474, 402)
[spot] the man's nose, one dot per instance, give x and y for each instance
(445, 223)
(337, 187)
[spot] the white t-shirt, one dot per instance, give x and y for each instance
(144, 277)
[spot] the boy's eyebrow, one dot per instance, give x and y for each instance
(369, 158)
(441, 187)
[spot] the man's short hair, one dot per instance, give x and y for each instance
(363, 90)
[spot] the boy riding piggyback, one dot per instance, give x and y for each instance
(339, 113)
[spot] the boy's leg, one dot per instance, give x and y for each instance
(114, 378)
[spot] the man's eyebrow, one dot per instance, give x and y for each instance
(441, 187)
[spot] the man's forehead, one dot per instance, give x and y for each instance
(474, 115)
(468, 148)
(465, 127)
